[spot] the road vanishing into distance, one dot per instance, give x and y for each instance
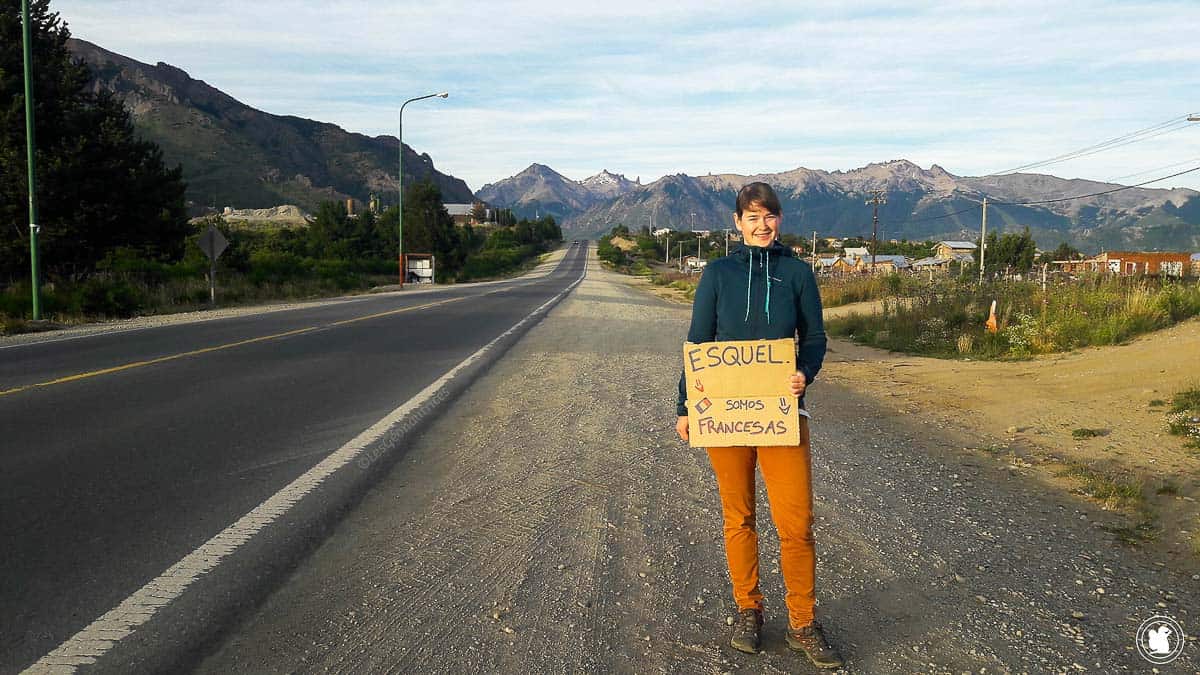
(122, 453)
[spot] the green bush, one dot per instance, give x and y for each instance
(492, 262)
(1184, 417)
(277, 267)
(114, 297)
(611, 254)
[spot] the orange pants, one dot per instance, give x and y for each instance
(787, 471)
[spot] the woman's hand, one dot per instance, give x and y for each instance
(796, 382)
(681, 427)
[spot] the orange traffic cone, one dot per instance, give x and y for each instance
(991, 324)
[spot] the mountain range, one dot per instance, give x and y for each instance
(235, 155)
(540, 190)
(920, 204)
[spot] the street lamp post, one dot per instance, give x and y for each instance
(400, 180)
(29, 150)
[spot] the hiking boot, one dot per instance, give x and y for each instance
(811, 640)
(747, 631)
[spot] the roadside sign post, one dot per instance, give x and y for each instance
(213, 243)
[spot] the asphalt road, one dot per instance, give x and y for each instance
(121, 453)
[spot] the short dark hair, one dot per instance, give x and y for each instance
(758, 193)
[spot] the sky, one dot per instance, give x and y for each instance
(654, 88)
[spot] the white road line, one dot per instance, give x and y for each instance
(104, 633)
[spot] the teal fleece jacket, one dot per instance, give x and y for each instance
(757, 293)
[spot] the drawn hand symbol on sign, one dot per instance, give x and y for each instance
(784, 406)
(699, 386)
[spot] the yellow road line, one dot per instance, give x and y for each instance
(205, 350)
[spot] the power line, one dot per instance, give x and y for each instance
(1103, 192)
(944, 215)
(1046, 201)
(1153, 131)
(1182, 125)
(1168, 126)
(1157, 168)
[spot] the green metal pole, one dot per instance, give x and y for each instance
(29, 146)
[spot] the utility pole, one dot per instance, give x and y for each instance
(679, 256)
(726, 241)
(34, 228)
(814, 249)
(876, 199)
(983, 241)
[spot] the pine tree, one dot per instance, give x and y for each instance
(100, 187)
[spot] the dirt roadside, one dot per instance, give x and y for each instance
(1025, 413)
(552, 523)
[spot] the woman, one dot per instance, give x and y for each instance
(761, 291)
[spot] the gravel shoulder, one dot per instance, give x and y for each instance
(551, 522)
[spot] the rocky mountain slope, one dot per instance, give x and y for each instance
(921, 203)
(235, 155)
(540, 190)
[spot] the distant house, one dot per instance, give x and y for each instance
(692, 264)
(703, 234)
(461, 213)
(941, 264)
(464, 214)
(661, 231)
(843, 265)
(855, 252)
(882, 263)
(825, 264)
(1132, 263)
(832, 242)
(799, 251)
(948, 249)
(1196, 264)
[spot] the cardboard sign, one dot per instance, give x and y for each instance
(738, 393)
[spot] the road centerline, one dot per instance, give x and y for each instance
(229, 345)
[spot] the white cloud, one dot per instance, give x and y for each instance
(655, 88)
